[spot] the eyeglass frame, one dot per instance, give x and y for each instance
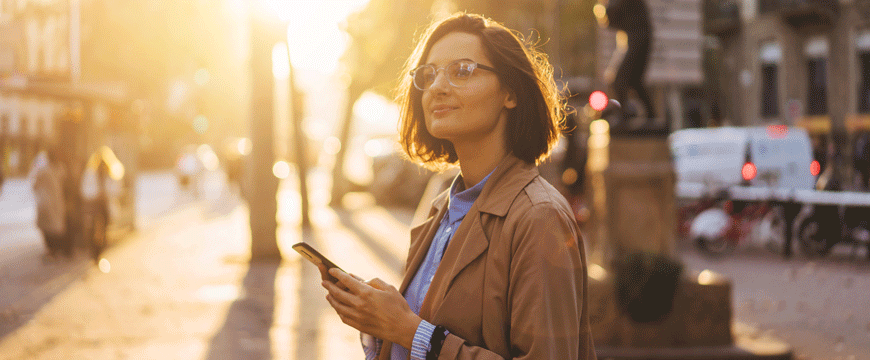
(477, 65)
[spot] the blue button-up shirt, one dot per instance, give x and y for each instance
(459, 205)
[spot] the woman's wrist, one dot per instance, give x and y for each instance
(409, 330)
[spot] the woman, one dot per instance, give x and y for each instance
(498, 270)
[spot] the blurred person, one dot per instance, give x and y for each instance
(47, 176)
(511, 281)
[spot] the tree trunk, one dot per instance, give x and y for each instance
(340, 183)
(264, 187)
(297, 112)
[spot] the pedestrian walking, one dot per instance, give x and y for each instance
(47, 175)
(498, 270)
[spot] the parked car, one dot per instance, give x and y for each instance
(768, 156)
(395, 180)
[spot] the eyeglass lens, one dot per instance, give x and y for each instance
(457, 74)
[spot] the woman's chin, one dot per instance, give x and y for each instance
(442, 132)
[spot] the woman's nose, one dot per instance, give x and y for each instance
(441, 82)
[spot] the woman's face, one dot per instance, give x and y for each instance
(478, 110)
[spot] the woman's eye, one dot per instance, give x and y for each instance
(464, 71)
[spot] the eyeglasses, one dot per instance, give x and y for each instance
(458, 73)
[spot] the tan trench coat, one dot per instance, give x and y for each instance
(512, 282)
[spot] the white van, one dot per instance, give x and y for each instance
(768, 156)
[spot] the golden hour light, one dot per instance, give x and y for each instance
(599, 178)
(281, 169)
(315, 39)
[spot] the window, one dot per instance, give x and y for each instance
(770, 55)
(816, 52)
(817, 87)
(864, 84)
(862, 46)
(769, 95)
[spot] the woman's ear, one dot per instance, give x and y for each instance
(510, 100)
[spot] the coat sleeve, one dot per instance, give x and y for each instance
(547, 281)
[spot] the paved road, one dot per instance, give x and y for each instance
(819, 306)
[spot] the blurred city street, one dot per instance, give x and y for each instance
(181, 286)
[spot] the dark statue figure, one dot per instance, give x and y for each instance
(633, 18)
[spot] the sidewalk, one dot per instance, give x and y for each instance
(185, 290)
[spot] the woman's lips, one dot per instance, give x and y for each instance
(440, 111)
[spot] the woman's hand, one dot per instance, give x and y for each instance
(373, 307)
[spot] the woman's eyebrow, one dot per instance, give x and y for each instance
(451, 61)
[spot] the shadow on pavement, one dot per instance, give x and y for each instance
(245, 332)
(387, 257)
(311, 305)
(32, 283)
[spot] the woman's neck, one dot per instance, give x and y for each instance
(477, 160)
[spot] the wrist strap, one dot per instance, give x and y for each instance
(436, 342)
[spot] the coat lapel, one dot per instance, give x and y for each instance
(467, 244)
(421, 240)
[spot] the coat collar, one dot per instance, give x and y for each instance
(509, 178)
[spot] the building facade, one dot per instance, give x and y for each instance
(35, 49)
(804, 63)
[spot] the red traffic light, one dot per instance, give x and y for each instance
(598, 100)
(748, 171)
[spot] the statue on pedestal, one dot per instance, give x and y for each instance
(631, 19)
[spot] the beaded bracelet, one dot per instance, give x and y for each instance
(436, 342)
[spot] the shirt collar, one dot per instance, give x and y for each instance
(461, 199)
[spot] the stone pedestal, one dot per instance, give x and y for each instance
(632, 191)
(631, 184)
(701, 316)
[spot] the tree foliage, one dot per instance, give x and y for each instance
(382, 38)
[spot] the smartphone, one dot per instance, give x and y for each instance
(315, 257)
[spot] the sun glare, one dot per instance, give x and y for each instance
(315, 40)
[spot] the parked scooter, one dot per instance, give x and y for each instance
(720, 229)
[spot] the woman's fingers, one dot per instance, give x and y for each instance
(354, 286)
(344, 312)
(340, 294)
(380, 284)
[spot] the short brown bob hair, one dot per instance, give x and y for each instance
(533, 125)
